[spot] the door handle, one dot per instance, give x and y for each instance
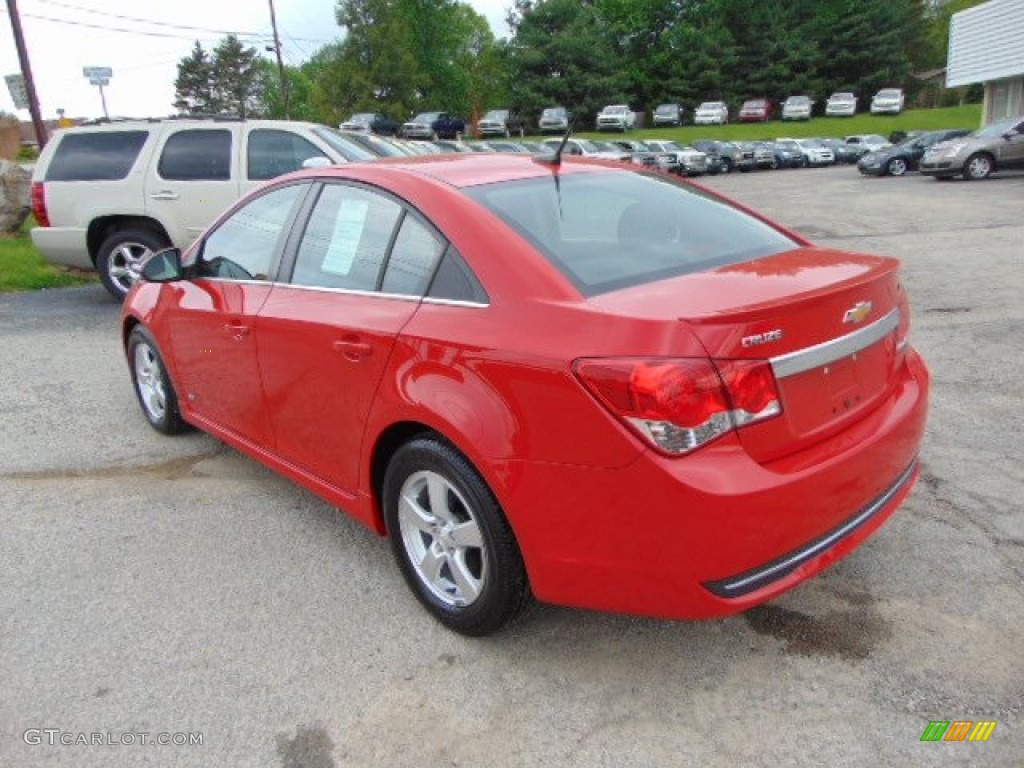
(165, 195)
(351, 350)
(238, 332)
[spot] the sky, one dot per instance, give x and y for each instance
(63, 36)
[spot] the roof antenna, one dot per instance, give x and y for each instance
(556, 159)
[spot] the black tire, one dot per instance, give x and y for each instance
(498, 586)
(978, 166)
(152, 385)
(726, 165)
(122, 253)
(897, 167)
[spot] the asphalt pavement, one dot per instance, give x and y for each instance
(174, 588)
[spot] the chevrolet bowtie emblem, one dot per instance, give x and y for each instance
(857, 312)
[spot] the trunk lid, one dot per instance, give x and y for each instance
(831, 323)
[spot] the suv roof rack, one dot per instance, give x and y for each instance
(224, 118)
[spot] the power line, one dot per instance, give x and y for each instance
(145, 33)
(167, 24)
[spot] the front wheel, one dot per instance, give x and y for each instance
(897, 166)
(451, 540)
(153, 386)
(726, 165)
(978, 167)
(121, 256)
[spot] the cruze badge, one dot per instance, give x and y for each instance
(857, 312)
(761, 338)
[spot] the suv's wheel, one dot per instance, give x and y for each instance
(153, 386)
(978, 167)
(451, 540)
(726, 165)
(897, 166)
(121, 255)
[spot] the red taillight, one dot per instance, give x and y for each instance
(678, 405)
(39, 204)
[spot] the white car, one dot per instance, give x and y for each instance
(587, 148)
(888, 101)
(871, 142)
(815, 151)
(841, 104)
(615, 117)
(677, 158)
(711, 113)
(797, 108)
(106, 196)
(554, 120)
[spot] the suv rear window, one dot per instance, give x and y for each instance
(606, 231)
(197, 156)
(100, 156)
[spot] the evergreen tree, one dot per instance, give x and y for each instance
(194, 84)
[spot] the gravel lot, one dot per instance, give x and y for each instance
(154, 585)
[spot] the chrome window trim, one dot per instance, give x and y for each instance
(454, 303)
(836, 349)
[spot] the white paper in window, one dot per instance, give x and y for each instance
(348, 231)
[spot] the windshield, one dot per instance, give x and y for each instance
(888, 94)
(754, 104)
(615, 110)
(554, 112)
(426, 117)
(842, 97)
(607, 231)
(343, 146)
(711, 105)
(997, 128)
(666, 109)
(496, 114)
(796, 101)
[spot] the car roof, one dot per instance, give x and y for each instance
(468, 170)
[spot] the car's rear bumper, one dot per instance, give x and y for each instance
(665, 537)
(63, 245)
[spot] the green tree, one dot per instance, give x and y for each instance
(564, 52)
(236, 77)
(194, 85)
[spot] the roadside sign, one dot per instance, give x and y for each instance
(98, 81)
(98, 72)
(16, 85)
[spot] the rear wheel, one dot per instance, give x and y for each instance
(451, 539)
(121, 255)
(978, 167)
(726, 165)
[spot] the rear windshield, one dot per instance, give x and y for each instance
(100, 156)
(606, 231)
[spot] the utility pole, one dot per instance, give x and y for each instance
(280, 63)
(26, 72)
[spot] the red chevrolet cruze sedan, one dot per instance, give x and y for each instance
(588, 383)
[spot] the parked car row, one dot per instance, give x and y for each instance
(616, 117)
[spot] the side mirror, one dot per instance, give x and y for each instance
(317, 162)
(163, 267)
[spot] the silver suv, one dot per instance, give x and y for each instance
(105, 196)
(997, 146)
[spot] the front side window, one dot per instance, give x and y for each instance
(606, 231)
(100, 156)
(196, 155)
(272, 153)
(247, 245)
(347, 239)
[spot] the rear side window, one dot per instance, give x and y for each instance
(606, 231)
(346, 239)
(196, 155)
(413, 259)
(272, 153)
(101, 156)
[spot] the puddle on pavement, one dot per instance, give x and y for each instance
(849, 635)
(311, 748)
(173, 469)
